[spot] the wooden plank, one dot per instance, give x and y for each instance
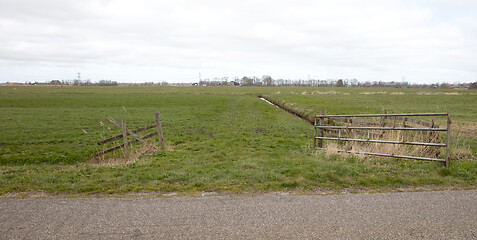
(122, 145)
(144, 128)
(110, 139)
(121, 135)
(109, 150)
(320, 141)
(131, 133)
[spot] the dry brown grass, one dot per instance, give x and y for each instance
(460, 144)
(325, 93)
(135, 152)
(438, 93)
(466, 129)
(118, 157)
(396, 149)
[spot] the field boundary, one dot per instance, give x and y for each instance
(281, 106)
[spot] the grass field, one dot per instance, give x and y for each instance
(461, 104)
(219, 139)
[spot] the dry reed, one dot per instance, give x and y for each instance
(460, 145)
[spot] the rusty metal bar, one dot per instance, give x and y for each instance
(388, 115)
(382, 128)
(448, 139)
(383, 141)
(388, 155)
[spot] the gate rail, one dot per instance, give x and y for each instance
(320, 127)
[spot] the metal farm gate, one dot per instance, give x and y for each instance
(360, 130)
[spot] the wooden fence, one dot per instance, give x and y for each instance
(126, 132)
(350, 124)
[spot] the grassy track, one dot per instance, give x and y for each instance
(221, 139)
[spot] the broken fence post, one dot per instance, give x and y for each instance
(159, 129)
(125, 138)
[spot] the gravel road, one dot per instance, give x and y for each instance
(408, 215)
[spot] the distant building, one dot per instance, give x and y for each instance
(13, 84)
(55, 82)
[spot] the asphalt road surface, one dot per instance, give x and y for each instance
(407, 215)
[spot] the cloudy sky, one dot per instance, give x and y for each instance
(174, 41)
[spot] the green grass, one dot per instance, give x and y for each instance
(220, 138)
(463, 107)
(365, 100)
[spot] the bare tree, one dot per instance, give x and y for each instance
(473, 85)
(267, 80)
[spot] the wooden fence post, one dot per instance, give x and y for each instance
(125, 138)
(430, 135)
(159, 129)
(320, 141)
(314, 135)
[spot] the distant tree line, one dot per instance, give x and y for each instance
(266, 80)
(75, 83)
(90, 83)
(224, 81)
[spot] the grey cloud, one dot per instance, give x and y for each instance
(370, 40)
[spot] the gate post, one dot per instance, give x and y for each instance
(314, 135)
(448, 139)
(125, 138)
(320, 141)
